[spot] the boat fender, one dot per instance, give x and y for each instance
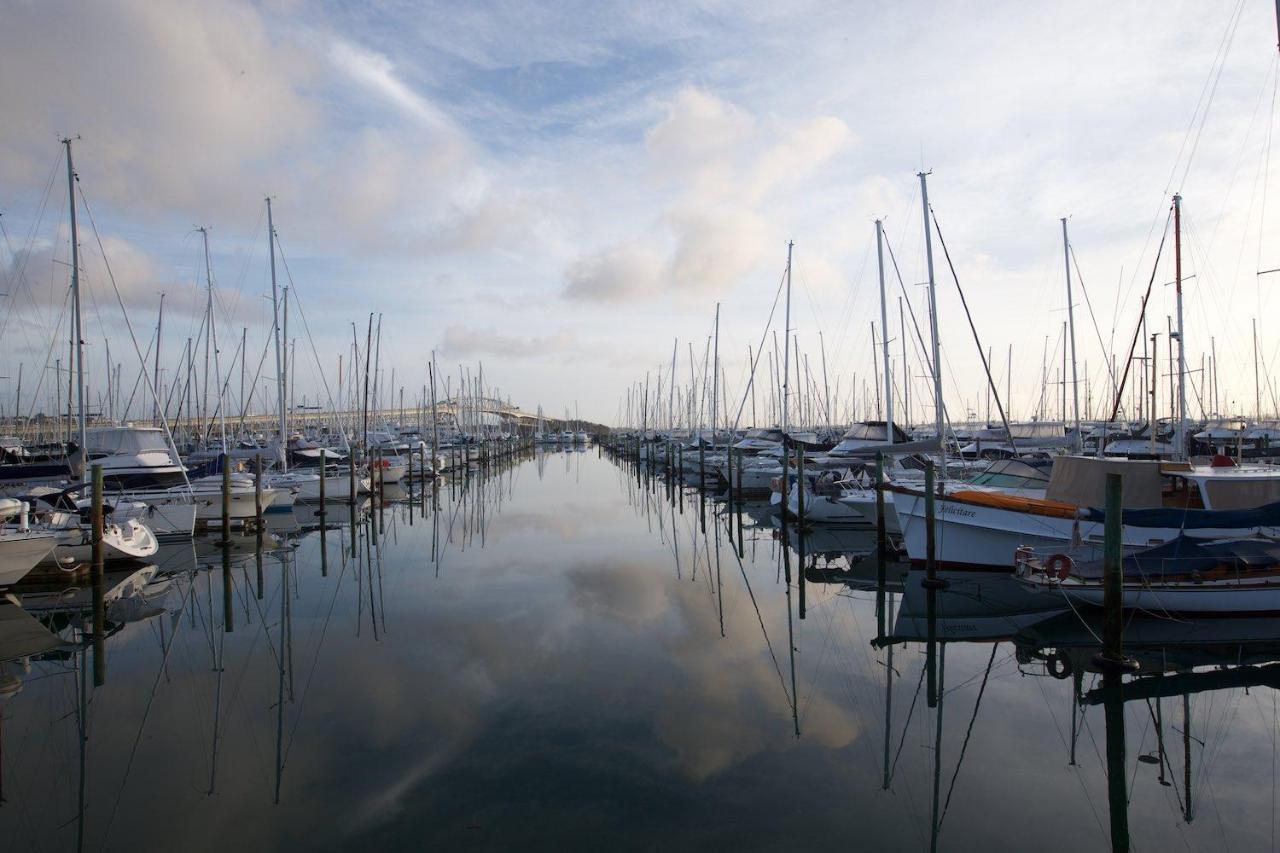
(1058, 566)
(1058, 665)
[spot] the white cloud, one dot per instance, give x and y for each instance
(722, 165)
(376, 73)
(467, 342)
(616, 274)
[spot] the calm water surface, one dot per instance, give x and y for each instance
(561, 655)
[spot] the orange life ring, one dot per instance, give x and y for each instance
(1059, 566)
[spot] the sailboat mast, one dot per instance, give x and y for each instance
(786, 351)
(1071, 326)
(1180, 430)
(275, 314)
(715, 378)
(826, 385)
(159, 329)
(906, 367)
(208, 335)
(933, 321)
(211, 337)
(671, 389)
(1257, 388)
(75, 299)
(884, 336)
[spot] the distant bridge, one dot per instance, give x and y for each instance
(493, 411)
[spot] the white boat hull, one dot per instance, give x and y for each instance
(129, 540)
(22, 552)
(337, 487)
(168, 517)
(863, 501)
(1223, 597)
(824, 509)
(986, 538)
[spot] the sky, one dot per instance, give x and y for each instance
(563, 193)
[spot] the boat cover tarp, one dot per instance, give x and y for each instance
(1183, 555)
(1081, 480)
(928, 445)
(1195, 519)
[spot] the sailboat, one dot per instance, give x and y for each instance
(983, 529)
(140, 465)
(1184, 575)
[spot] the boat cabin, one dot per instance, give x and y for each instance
(1151, 484)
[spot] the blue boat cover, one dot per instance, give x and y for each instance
(1267, 515)
(1183, 555)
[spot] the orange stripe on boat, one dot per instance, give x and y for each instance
(1016, 503)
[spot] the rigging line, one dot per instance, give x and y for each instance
(224, 393)
(21, 269)
(1266, 166)
(1109, 356)
(314, 662)
(54, 341)
(138, 380)
(822, 656)
(1165, 762)
(1133, 777)
(995, 392)
(1177, 159)
(922, 352)
(146, 712)
(298, 306)
(253, 387)
(1215, 77)
(1137, 331)
(907, 725)
(847, 309)
(968, 732)
(248, 259)
(129, 326)
(769, 643)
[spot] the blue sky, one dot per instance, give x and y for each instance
(560, 190)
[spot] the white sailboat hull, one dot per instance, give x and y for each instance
(1206, 597)
(986, 538)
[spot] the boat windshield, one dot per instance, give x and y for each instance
(764, 434)
(126, 441)
(865, 432)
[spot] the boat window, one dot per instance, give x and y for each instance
(1232, 493)
(122, 441)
